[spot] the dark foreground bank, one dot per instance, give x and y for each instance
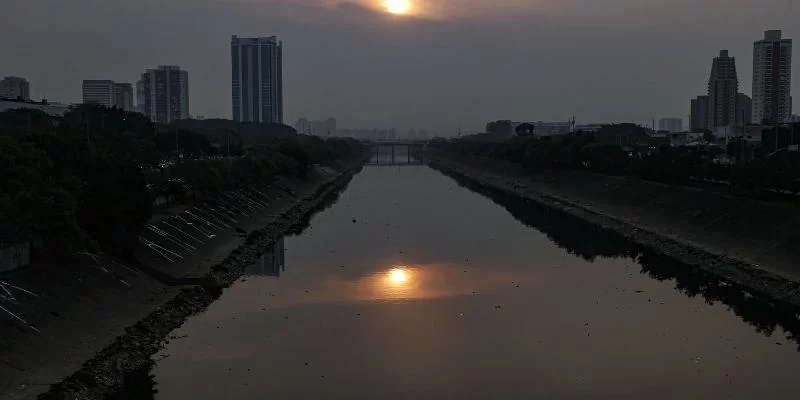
(128, 353)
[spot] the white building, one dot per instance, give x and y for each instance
(772, 78)
(257, 79)
(14, 87)
(162, 94)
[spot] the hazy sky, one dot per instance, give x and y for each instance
(452, 62)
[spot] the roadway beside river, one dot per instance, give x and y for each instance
(745, 242)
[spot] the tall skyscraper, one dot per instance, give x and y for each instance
(163, 94)
(14, 87)
(699, 115)
(772, 78)
(723, 86)
(670, 124)
(257, 79)
(123, 96)
(99, 92)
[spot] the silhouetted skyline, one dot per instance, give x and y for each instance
(448, 64)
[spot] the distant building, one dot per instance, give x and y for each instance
(677, 139)
(318, 128)
(303, 126)
(330, 126)
(588, 128)
(699, 116)
(257, 79)
(723, 86)
(670, 124)
(772, 78)
(15, 88)
(123, 96)
(163, 94)
(52, 109)
(744, 109)
(542, 128)
(99, 92)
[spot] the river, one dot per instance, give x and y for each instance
(414, 285)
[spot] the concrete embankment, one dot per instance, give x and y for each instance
(116, 316)
(750, 243)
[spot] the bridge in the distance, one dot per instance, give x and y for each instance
(397, 152)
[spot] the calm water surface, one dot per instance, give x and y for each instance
(412, 286)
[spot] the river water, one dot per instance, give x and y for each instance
(416, 286)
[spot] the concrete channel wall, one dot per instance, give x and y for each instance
(108, 317)
(750, 243)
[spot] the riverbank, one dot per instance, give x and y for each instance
(82, 313)
(732, 238)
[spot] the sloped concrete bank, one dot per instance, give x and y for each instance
(105, 373)
(640, 227)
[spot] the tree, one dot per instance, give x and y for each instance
(605, 158)
(525, 129)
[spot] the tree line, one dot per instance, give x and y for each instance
(88, 180)
(624, 149)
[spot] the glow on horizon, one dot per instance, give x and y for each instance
(398, 7)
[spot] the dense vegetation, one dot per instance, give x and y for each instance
(623, 149)
(89, 180)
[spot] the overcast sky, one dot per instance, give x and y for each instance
(449, 63)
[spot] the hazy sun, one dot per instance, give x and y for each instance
(398, 6)
(398, 276)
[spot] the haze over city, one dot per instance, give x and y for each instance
(438, 65)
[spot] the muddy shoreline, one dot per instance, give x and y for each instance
(105, 373)
(743, 274)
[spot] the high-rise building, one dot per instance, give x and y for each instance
(123, 96)
(163, 94)
(744, 109)
(670, 124)
(699, 114)
(257, 79)
(99, 92)
(772, 78)
(723, 86)
(14, 87)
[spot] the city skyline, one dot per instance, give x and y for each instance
(376, 82)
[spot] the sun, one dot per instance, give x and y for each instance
(398, 276)
(398, 6)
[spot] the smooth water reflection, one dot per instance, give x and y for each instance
(412, 286)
